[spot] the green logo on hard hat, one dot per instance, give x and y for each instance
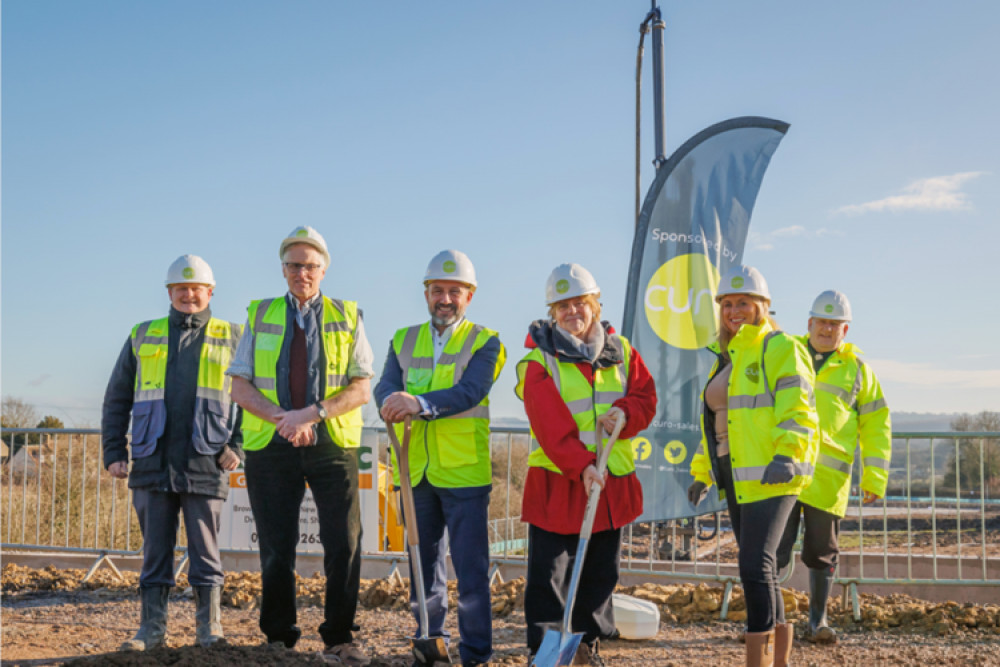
(449, 266)
(302, 232)
(188, 272)
(737, 282)
(828, 308)
(562, 286)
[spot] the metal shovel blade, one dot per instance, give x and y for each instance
(557, 649)
(430, 650)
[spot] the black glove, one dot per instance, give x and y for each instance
(697, 492)
(780, 470)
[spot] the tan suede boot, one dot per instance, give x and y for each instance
(784, 635)
(760, 649)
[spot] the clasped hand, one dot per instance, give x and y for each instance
(296, 426)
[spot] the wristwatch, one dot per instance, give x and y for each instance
(321, 411)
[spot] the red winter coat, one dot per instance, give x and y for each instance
(556, 502)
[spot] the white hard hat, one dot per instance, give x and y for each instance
(190, 269)
(451, 265)
(832, 305)
(309, 236)
(743, 279)
(567, 281)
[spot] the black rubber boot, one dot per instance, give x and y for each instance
(820, 583)
(152, 621)
(208, 615)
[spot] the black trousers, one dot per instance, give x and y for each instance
(550, 565)
(276, 483)
(759, 527)
(820, 547)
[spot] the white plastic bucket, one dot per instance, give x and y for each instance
(635, 618)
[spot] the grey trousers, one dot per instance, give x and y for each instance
(157, 512)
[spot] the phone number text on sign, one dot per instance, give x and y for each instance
(238, 530)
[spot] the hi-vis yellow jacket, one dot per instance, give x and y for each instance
(771, 411)
(267, 323)
(452, 451)
(851, 408)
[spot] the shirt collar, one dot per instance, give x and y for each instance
(446, 334)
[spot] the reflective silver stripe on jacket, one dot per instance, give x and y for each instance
(336, 327)
(856, 389)
(258, 321)
(405, 356)
(840, 393)
(337, 380)
(477, 412)
(871, 407)
(754, 473)
(751, 402)
(828, 461)
(218, 395)
(792, 425)
(876, 462)
(144, 395)
(790, 381)
(264, 384)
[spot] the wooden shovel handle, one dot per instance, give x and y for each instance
(406, 487)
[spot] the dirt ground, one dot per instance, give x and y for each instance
(51, 617)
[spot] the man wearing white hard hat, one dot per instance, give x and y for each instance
(302, 373)
(440, 373)
(170, 378)
(852, 411)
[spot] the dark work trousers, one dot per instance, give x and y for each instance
(758, 527)
(550, 567)
(157, 512)
(465, 518)
(276, 482)
(819, 543)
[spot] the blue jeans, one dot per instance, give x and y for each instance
(464, 513)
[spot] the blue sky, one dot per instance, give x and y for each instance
(135, 132)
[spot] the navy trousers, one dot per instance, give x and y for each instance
(157, 512)
(455, 518)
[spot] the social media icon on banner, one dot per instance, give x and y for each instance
(641, 449)
(675, 452)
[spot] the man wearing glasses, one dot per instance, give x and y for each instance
(301, 374)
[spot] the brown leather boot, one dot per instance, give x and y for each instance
(784, 634)
(760, 649)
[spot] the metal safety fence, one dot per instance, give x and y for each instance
(939, 524)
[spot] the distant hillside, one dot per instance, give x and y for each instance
(922, 421)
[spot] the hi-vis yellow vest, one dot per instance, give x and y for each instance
(771, 411)
(452, 451)
(585, 402)
(851, 408)
(267, 322)
(213, 422)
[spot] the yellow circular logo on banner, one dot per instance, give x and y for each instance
(680, 301)
(675, 451)
(641, 449)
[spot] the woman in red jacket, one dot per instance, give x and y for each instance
(575, 380)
